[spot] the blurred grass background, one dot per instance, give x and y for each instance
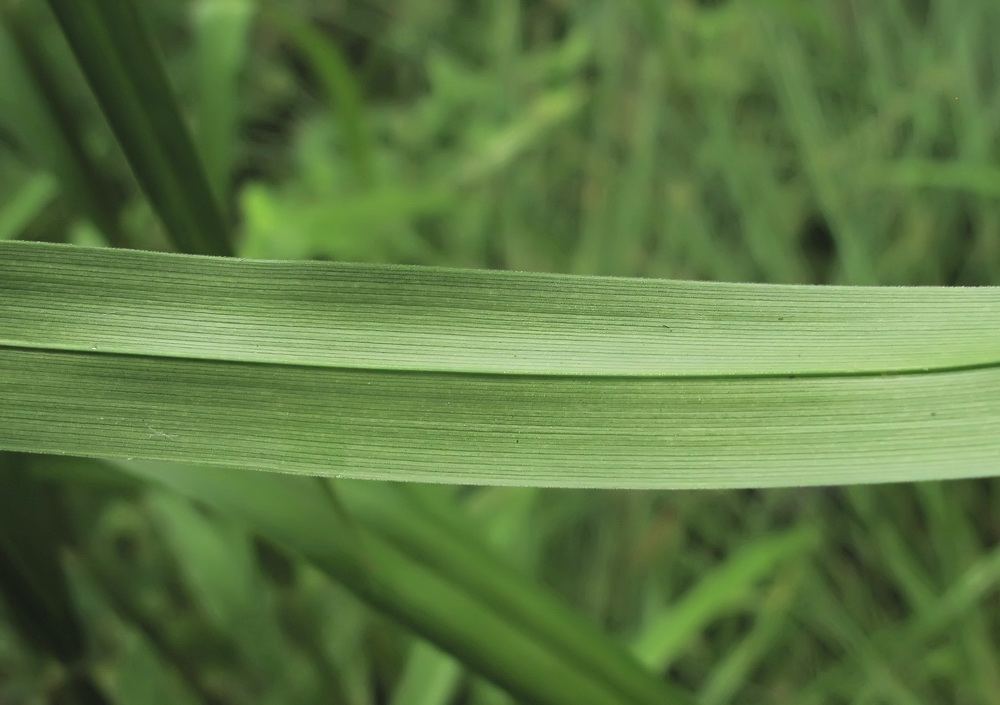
(843, 142)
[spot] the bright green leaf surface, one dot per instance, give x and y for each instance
(486, 377)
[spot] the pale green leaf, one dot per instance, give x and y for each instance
(406, 373)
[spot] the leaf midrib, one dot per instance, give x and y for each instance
(15, 345)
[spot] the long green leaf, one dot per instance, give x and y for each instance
(405, 373)
(118, 58)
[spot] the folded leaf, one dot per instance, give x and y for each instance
(481, 377)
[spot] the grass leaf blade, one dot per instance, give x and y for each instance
(479, 377)
(116, 53)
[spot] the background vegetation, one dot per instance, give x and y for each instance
(840, 142)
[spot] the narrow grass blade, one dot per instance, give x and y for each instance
(502, 148)
(479, 377)
(33, 108)
(665, 636)
(332, 71)
(800, 102)
(443, 544)
(116, 53)
(539, 666)
(735, 670)
(970, 177)
(221, 33)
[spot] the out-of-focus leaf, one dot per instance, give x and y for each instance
(25, 205)
(222, 33)
(118, 58)
(31, 577)
(497, 625)
(33, 108)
